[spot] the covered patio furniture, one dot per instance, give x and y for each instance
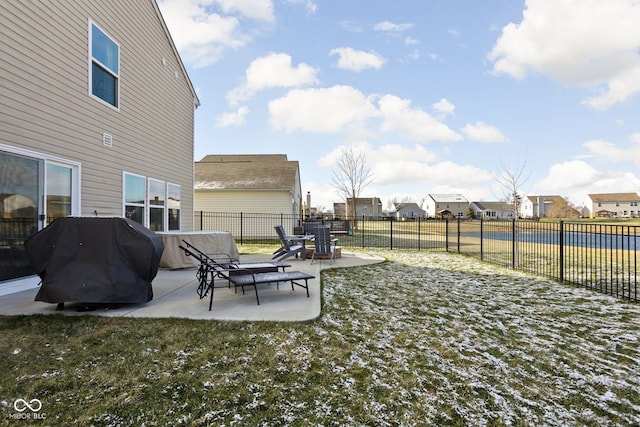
(325, 244)
(95, 260)
(291, 245)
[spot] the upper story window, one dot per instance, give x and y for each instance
(104, 69)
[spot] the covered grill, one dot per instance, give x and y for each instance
(95, 260)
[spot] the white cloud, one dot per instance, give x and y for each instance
(200, 34)
(235, 118)
(273, 70)
(413, 123)
(411, 41)
(444, 107)
(310, 5)
(483, 133)
(612, 153)
(325, 110)
(357, 60)
(391, 27)
(340, 108)
(577, 179)
(567, 175)
(261, 10)
(393, 164)
(577, 42)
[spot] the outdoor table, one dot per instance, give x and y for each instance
(302, 239)
(209, 242)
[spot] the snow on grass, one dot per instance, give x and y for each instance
(469, 341)
(427, 338)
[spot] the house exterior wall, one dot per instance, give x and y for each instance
(456, 204)
(48, 114)
(411, 211)
(369, 207)
(47, 109)
(625, 207)
(249, 201)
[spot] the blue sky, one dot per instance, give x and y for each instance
(439, 95)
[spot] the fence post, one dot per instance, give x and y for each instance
(561, 244)
(446, 235)
(241, 224)
(391, 235)
(362, 229)
(458, 235)
(481, 239)
(513, 243)
(201, 220)
(419, 234)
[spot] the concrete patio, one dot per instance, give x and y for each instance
(175, 296)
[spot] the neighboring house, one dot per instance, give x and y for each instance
(339, 210)
(368, 207)
(254, 183)
(408, 211)
(539, 206)
(446, 205)
(96, 119)
(615, 205)
(492, 210)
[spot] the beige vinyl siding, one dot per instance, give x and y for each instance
(247, 202)
(46, 105)
(258, 201)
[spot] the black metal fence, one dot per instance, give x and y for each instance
(601, 257)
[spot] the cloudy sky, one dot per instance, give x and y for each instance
(440, 95)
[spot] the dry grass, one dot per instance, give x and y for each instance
(424, 339)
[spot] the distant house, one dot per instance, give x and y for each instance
(539, 206)
(446, 205)
(368, 207)
(492, 210)
(408, 211)
(615, 205)
(97, 120)
(254, 183)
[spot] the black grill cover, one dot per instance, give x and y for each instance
(95, 260)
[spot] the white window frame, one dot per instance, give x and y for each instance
(142, 205)
(92, 60)
(178, 207)
(149, 206)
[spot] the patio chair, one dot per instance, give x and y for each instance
(238, 276)
(225, 261)
(291, 245)
(325, 244)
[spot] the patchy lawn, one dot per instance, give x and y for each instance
(423, 339)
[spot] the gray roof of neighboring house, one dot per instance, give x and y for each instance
(246, 172)
(614, 197)
(496, 206)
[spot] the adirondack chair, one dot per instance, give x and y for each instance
(324, 243)
(291, 245)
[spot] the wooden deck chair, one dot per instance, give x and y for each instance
(325, 244)
(289, 245)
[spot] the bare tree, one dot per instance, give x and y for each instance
(351, 176)
(511, 182)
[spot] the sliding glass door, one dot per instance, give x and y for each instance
(20, 189)
(33, 193)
